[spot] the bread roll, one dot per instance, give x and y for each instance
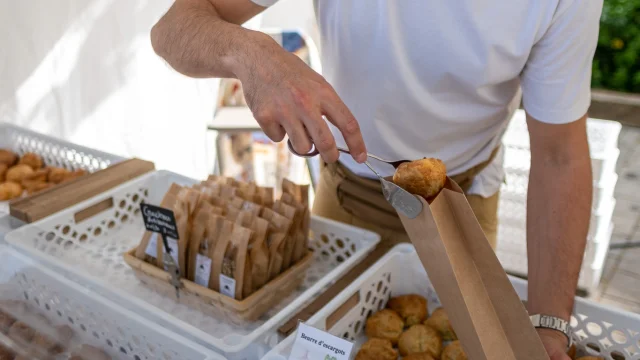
(385, 324)
(412, 308)
(10, 190)
(420, 338)
(31, 159)
(8, 158)
(18, 172)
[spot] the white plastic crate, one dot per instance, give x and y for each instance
(614, 333)
(54, 152)
(603, 144)
(97, 321)
(91, 253)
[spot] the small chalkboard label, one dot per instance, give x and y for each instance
(159, 220)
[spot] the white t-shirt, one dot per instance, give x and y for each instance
(443, 78)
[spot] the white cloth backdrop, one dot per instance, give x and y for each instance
(84, 70)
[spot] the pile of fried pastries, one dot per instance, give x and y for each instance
(405, 329)
(27, 173)
(29, 335)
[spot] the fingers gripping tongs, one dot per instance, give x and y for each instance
(403, 201)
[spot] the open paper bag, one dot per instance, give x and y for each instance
(484, 309)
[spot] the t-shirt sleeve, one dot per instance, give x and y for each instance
(556, 80)
(265, 3)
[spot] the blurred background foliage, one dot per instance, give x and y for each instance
(616, 65)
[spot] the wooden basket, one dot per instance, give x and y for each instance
(212, 302)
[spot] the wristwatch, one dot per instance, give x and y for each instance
(554, 323)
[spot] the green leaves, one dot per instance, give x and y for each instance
(616, 64)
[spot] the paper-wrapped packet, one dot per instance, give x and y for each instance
(278, 230)
(257, 264)
(290, 213)
(298, 197)
(206, 228)
(229, 260)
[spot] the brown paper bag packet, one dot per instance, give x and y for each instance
(183, 210)
(289, 212)
(265, 194)
(229, 262)
(201, 253)
(147, 249)
(300, 234)
(256, 273)
(217, 253)
(197, 234)
(276, 239)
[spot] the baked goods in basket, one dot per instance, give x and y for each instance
(453, 351)
(425, 177)
(31, 159)
(18, 172)
(10, 190)
(385, 324)
(439, 320)
(420, 338)
(412, 308)
(377, 349)
(8, 158)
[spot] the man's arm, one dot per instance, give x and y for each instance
(558, 215)
(203, 38)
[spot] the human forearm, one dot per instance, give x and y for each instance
(558, 214)
(196, 41)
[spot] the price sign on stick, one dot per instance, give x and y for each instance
(162, 221)
(314, 344)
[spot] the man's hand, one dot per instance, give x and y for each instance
(555, 343)
(202, 38)
(287, 96)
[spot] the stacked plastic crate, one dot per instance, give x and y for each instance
(512, 247)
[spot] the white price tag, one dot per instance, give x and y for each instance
(314, 344)
(152, 246)
(227, 286)
(203, 270)
(173, 246)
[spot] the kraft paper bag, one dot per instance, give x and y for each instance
(484, 309)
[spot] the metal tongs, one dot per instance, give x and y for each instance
(403, 201)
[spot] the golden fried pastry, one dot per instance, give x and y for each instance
(21, 333)
(8, 158)
(5, 353)
(33, 188)
(424, 177)
(54, 344)
(3, 171)
(39, 175)
(453, 351)
(86, 352)
(385, 324)
(439, 320)
(419, 356)
(377, 349)
(411, 308)
(18, 172)
(74, 174)
(57, 175)
(10, 190)
(572, 351)
(31, 159)
(420, 338)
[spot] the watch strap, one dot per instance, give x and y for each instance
(541, 321)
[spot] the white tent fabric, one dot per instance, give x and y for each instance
(85, 71)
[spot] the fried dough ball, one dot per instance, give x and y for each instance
(412, 308)
(39, 175)
(419, 356)
(377, 349)
(21, 333)
(424, 177)
(57, 343)
(74, 174)
(31, 159)
(439, 320)
(87, 352)
(5, 353)
(385, 324)
(8, 158)
(453, 351)
(572, 351)
(18, 172)
(3, 172)
(420, 338)
(37, 187)
(10, 190)
(57, 175)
